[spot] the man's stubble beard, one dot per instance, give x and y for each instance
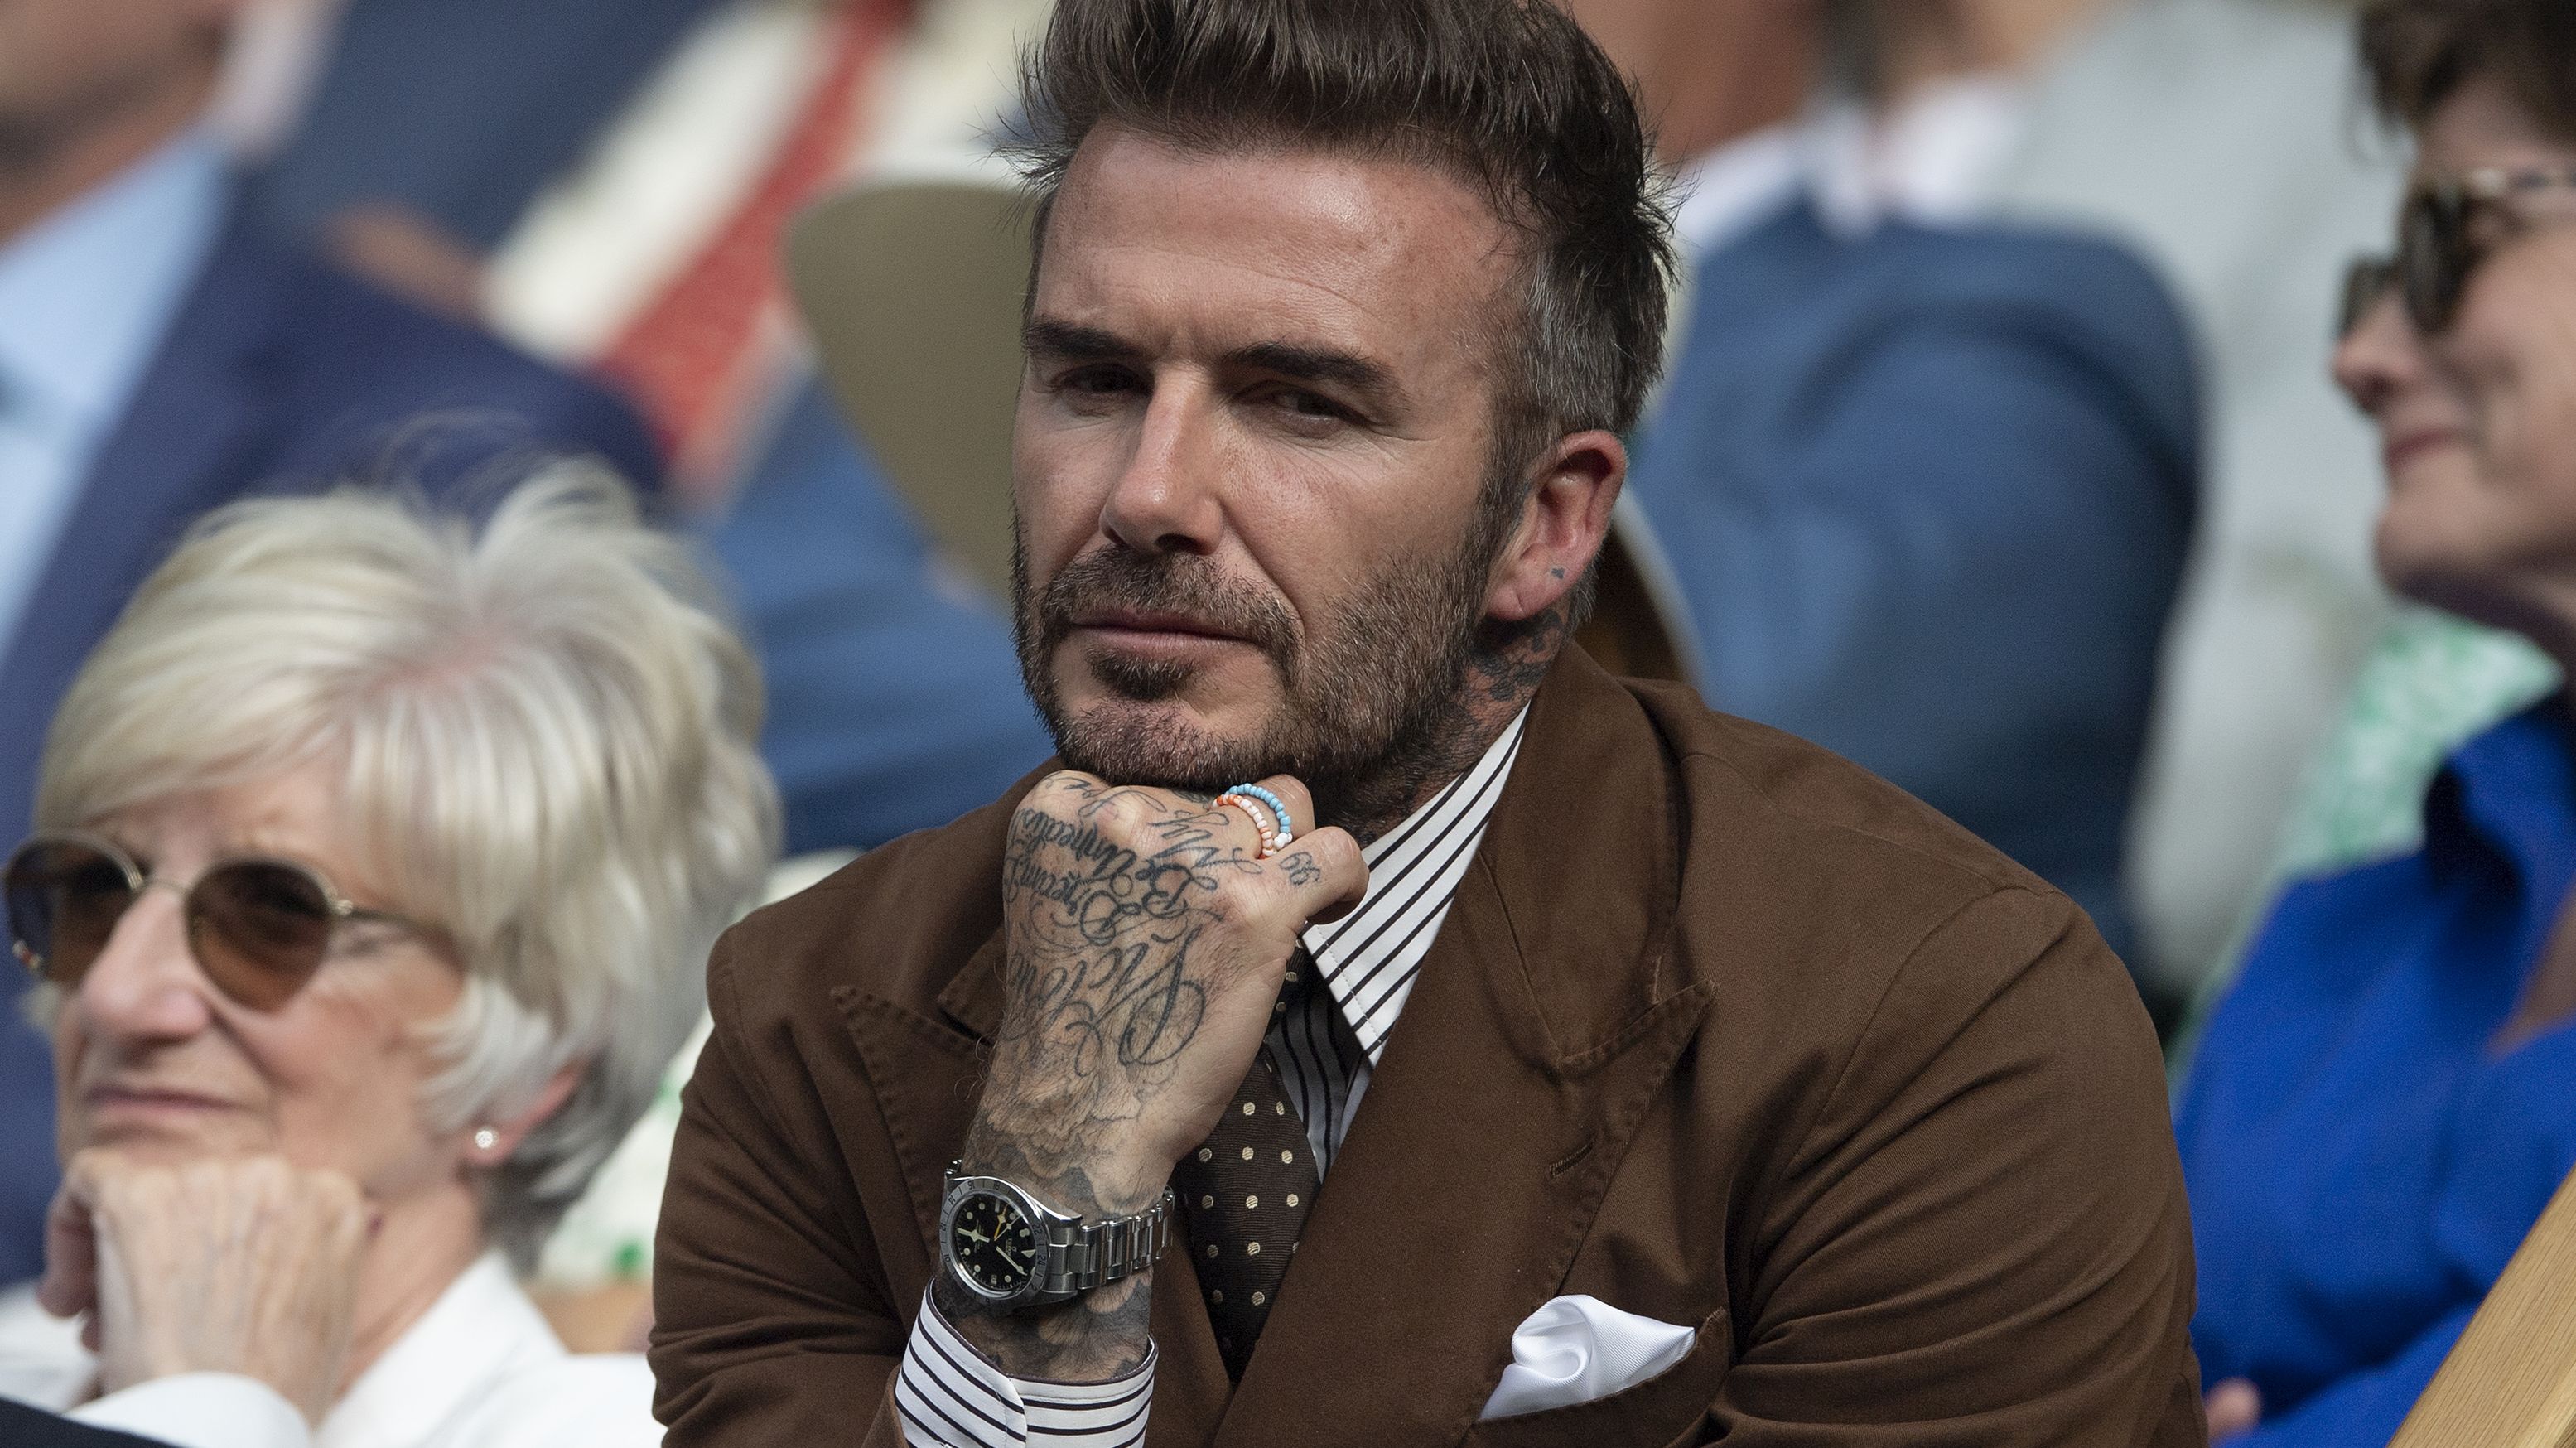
(1374, 704)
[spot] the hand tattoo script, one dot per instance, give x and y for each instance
(1107, 976)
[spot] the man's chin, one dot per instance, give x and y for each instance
(1163, 742)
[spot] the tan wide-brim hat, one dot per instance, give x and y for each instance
(912, 287)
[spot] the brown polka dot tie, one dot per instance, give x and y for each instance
(1247, 1190)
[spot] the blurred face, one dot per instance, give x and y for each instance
(66, 63)
(151, 1057)
(2478, 423)
(1253, 442)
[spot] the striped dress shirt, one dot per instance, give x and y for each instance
(950, 1396)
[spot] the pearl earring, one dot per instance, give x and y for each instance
(485, 1138)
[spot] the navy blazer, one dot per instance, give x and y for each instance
(464, 110)
(1928, 493)
(279, 373)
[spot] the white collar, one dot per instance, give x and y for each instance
(1370, 957)
(481, 1330)
(1726, 190)
(1936, 160)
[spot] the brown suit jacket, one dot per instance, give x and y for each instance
(1721, 1030)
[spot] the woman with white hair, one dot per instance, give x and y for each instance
(378, 855)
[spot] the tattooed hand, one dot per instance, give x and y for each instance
(1147, 943)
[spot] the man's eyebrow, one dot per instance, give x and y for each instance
(1068, 342)
(1316, 364)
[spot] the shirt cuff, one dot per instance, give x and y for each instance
(951, 1396)
(201, 1410)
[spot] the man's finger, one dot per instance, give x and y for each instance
(1325, 872)
(1301, 805)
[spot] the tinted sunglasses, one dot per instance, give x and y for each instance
(2445, 229)
(259, 927)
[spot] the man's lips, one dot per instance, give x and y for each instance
(1143, 624)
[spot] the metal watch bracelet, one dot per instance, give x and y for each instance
(1095, 1254)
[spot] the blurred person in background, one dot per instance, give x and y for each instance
(2379, 1110)
(378, 859)
(2225, 141)
(160, 356)
(608, 183)
(1926, 481)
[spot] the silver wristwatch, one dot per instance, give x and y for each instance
(1009, 1250)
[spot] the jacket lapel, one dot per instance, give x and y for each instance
(1538, 1033)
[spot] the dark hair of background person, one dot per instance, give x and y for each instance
(2420, 53)
(1508, 95)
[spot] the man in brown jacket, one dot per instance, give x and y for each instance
(1636, 1075)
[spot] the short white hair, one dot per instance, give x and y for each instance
(548, 731)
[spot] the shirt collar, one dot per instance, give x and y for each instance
(481, 1329)
(1726, 190)
(1370, 956)
(2510, 795)
(86, 294)
(1936, 160)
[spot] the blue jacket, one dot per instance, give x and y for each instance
(278, 374)
(894, 692)
(464, 110)
(1928, 493)
(2362, 1161)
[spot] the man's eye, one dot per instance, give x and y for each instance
(1096, 381)
(1310, 405)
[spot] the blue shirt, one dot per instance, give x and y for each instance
(2362, 1162)
(85, 298)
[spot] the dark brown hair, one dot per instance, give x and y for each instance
(1508, 95)
(2420, 53)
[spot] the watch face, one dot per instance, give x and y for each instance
(992, 1244)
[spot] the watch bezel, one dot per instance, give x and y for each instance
(1039, 1217)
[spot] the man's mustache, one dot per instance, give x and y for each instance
(1182, 584)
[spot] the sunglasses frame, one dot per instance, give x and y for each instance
(137, 880)
(2436, 255)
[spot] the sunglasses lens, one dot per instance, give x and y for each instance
(2364, 285)
(260, 929)
(65, 898)
(2434, 257)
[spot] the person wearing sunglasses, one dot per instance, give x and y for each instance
(2380, 1108)
(378, 854)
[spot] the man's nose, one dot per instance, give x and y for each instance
(1166, 499)
(146, 983)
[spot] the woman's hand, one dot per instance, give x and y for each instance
(241, 1265)
(2235, 1409)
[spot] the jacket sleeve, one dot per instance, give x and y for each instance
(1982, 1240)
(2366, 1407)
(773, 1319)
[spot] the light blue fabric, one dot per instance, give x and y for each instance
(2362, 1161)
(1928, 492)
(85, 298)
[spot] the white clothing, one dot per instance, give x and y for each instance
(481, 1369)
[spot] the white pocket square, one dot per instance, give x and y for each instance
(1575, 1349)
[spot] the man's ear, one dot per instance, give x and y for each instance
(1561, 526)
(508, 1132)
